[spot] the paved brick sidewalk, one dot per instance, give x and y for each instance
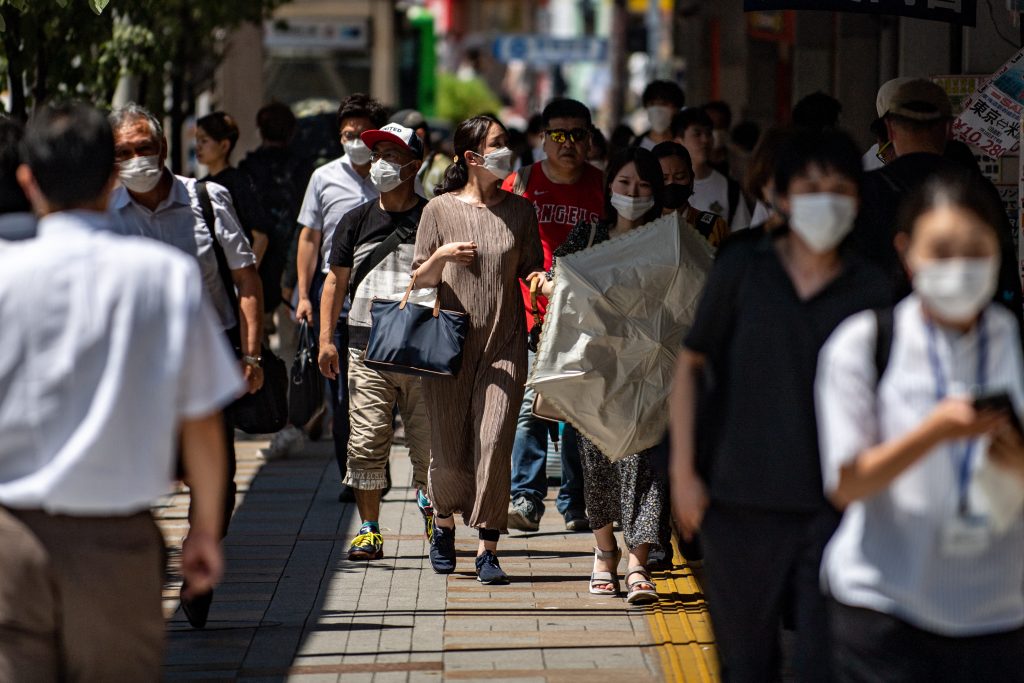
(292, 607)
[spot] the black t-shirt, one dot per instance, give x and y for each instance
(247, 203)
(762, 343)
(367, 223)
(358, 233)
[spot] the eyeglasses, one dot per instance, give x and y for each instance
(558, 135)
(880, 154)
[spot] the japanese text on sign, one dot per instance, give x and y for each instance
(991, 117)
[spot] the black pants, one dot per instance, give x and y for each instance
(761, 564)
(871, 646)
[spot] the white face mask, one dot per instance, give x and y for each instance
(957, 289)
(822, 219)
(660, 118)
(386, 175)
(498, 162)
(140, 174)
(357, 151)
(631, 208)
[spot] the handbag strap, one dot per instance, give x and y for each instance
(593, 234)
(408, 293)
(534, 311)
(405, 227)
(218, 251)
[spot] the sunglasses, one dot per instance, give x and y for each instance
(559, 135)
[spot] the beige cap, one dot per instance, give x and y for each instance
(914, 98)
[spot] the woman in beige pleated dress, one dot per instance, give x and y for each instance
(475, 242)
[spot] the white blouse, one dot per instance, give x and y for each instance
(891, 552)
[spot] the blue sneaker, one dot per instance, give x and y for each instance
(442, 550)
(488, 571)
(368, 545)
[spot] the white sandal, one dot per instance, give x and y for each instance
(606, 578)
(637, 595)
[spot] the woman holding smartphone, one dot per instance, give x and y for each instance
(926, 571)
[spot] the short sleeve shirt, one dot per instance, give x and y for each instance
(178, 221)
(887, 554)
(100, 366)
(712, 194)
(358, 235)
(559, 208)
(334, 189)
(762, 342)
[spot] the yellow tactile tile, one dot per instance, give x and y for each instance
(681, 624)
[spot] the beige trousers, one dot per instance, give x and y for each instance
(80, 597)
(372, 398)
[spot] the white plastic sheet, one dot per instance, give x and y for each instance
(614, 327)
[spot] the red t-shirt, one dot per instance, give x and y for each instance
(559, 208)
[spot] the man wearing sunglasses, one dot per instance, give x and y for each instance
(565, 190)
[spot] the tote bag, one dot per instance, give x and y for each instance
(413, 339)
(306, 390)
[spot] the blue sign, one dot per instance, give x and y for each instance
(540, 50)
(962, 12)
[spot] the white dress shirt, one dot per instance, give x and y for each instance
(888, 554)
(178, 221)
(107, 344)
(334, 189)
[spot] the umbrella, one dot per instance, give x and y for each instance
(614, 327)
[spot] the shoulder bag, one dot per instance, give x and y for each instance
(266, 411)
(415, 340)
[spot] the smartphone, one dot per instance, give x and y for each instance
(999, 402)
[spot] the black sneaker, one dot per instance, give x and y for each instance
(442, 550)
(576, 521)
(488, 571)
(524, 514)
(368, 545)
(196, 608)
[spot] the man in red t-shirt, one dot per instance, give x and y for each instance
(565, 190)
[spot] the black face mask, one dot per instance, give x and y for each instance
(675, 196)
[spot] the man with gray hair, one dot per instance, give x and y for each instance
(153, 202)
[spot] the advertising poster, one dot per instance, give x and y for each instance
(990, 119)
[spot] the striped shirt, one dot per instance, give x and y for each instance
(887, 554)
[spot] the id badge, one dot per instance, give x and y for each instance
(966, 536)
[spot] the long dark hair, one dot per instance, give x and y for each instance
(470, 136)
(647, 167)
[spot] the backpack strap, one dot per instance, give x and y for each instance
(405, 228)
(885, 321)
(522, 180)
(734, 198)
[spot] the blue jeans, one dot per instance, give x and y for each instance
(529, 461)
(337, 389)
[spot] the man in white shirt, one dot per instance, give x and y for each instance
(334, 189)
(712, 191)
(101, 370)
(153, 202)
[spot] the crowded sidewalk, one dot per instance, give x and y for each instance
(292, 607)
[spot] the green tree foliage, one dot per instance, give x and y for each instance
(459, 99)
(59, 49)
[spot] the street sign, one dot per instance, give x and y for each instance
(329, 34)
(541, 50)
(952, 11)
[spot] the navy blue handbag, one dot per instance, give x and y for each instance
(415, 340)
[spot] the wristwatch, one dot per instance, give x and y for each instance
(252, 361)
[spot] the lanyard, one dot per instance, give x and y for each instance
(942, 389)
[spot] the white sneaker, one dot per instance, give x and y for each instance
(286, 442)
